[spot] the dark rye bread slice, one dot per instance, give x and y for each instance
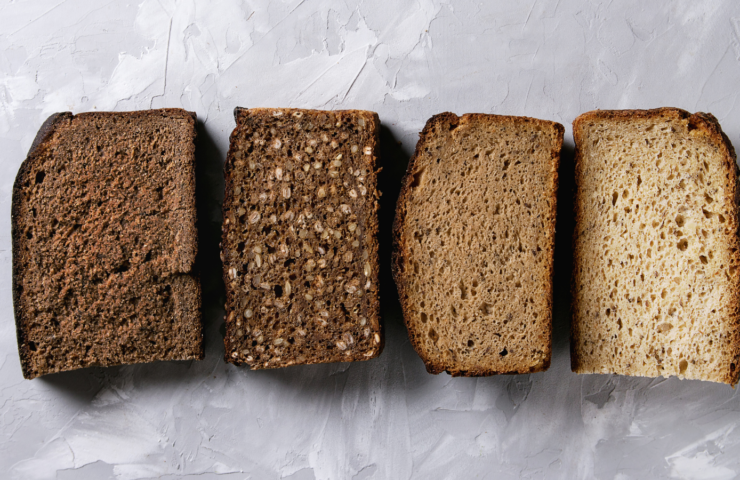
(656, 285)
(104, 240)
(299, 246)
(474, 236)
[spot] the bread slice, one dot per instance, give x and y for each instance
(474, 234)
(299, 247)
(104, 240)
(655, 286)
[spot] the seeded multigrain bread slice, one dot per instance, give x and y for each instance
(474, 235)
(299, 248)
(104, 240)
(656, 284)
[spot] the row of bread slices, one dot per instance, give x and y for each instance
(655, 244)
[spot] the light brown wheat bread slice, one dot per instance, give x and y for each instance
(655, 286)
(300, 238)
(104, 242)
(474, 235)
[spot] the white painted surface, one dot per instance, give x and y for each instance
(407, 60)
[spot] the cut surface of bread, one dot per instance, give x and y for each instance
(299, 245)
(104, 241)
(655, 287)
(474, 236)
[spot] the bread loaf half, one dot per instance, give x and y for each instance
(656, 284)
(104, 242)
(474, 235)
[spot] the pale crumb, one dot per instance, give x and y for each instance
(317, 165)
(308, 297)
(257, 249)
(313, 142)
(254, 217)
(286, 192)
(309, 150)
(234, 355)
(334, 144)
(230, 317)
(341, 345)
(248, 313)
(250, 359)
(297, 114)
(237, 190)
(348, 339)
(277, 113)
(258, 260)
(362, 189)
(306, 167)
(277, 144)
(368, 150)
(279, 173)
(321, 192)
(377, 338)
(345, 209)
(352, 227)
(287, 289)
(363, 321)
(333, 173)
(369, 353)
(265, 286)
(232, 272)
(356, 243)
(324, 137)
(368, 269)
(354, 149)
(361, 122)
(353, 193)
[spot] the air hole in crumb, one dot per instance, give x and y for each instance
(683, 245)
(721, 218)
(703, 259)
(423, 317)
(680, 221)
(40, 177)
(683, 365)
(32, 346)
(503, 352)
(433, 335)
(417, 179)
(470, 343)
(278, 291)
(615, 196)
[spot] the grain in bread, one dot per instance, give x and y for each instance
(299, 245)
(474, 235)
(655, 286)
(104, 241)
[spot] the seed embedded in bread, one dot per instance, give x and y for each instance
(655, 285)
(474, 235)
(104, 242)
(301, 241)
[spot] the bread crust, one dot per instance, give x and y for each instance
(707, 125)
(40, 143)
(400, 250)
(373, 315)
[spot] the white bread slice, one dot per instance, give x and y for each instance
(655, 285)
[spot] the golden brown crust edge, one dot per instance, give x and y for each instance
(708, 124)
(46, 131)
(399, 250)
(240, 114)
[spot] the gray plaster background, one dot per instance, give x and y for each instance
(407, 60)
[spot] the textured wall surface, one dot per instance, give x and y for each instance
(407, 60)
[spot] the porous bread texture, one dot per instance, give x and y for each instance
(474, 236)
(104, 241)
(299, 247)
(655, 286)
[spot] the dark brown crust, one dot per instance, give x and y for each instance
(45, 133)
(399, 251)
(709, 126)
(240, 115)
